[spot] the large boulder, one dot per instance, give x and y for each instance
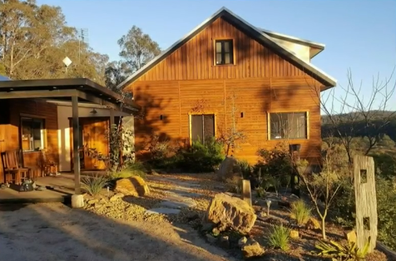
(229, 169)
(231, 212)
(133, 186)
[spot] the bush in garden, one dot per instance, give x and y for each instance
(300, 212)
(276, 166)
(280, 237)
(93, 185)
(131, 169)
(200, 156)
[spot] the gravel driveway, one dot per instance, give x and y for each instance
(53, 231)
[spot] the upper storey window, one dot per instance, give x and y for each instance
(224, 52)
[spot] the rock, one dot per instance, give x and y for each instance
(92, 201)
(252, 248)
(215, 232)
(242, 241)
(294, 234)
(116, 197)
(229, 168)
(313, 223)
(231, 212)
(211, 239)
(351, 236)
(262, 214)
(133, 186)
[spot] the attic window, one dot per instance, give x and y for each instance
(224, 52)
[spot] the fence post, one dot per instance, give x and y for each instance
(366, 201)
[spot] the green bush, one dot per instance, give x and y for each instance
(200, 156)
(276, 167)
(300, 212)
(93, 185)
(131, 169)
(280, 237)
(245, 168)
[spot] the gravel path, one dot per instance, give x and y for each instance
(119, 230)
(46, 232)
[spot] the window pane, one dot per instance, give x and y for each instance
(228, 58)
(209, 130)
(227, 46)
(288, 125)
(196, 127)
(218, 59)
(218, 47)
(32, 133)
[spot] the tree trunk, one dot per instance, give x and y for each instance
(323, 228)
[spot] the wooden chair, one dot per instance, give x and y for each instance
(13, 169)
(48, 166)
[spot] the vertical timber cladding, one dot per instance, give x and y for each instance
(187, 81)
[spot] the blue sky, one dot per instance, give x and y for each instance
(359, 35)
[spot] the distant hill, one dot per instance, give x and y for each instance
(360, 126)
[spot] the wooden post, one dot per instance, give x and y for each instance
(76, 146)
(366, 201)
(247, 191)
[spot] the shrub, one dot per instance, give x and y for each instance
(245, 168)
(300, 212)
(276, 166)
(94, 184)
(279, 237)
(347, 252)
(200, 156)
(131, 169)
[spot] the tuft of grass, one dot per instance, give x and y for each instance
(300, 212)
(280, 237)
(132, 169)
(94, 184)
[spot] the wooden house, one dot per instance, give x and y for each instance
(229, 75)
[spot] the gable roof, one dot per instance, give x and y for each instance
(258, 34)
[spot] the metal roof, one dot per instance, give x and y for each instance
(63, 89)
(246, 27)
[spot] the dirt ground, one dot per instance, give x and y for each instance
(122, 230)
(54, 231)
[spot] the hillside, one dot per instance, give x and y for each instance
(354, 124)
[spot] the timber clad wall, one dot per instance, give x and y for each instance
(261, 81)
(30, 108)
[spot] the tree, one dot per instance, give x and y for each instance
(350, 115)
(232, 135)
(35, 39)
(322, 187)
(137, 48)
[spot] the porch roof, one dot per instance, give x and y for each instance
(64, 89)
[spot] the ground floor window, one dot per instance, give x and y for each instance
(288, 125)
(32, 134)
(202, 126)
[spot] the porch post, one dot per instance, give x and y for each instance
(76, 146)
(111, 117)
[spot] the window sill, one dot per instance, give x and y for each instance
(224, 65)
(31, 151)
